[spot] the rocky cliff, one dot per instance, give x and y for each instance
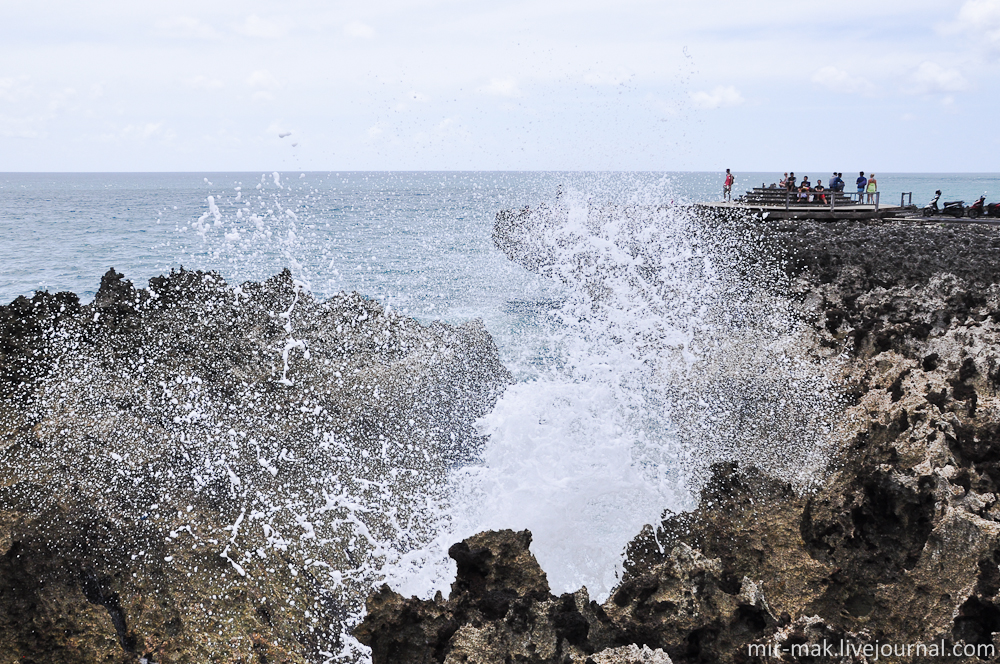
(897, 546)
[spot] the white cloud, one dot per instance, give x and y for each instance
(19, 128)
(931, 78)
(501, 87)
(262, 78)
(982, 18)
(359, 30)
(616, 77)
(264, 83)
(839, 80)
(185, 27)
(719, 97)
(448, 130)
(136, 132)
(204, 83)
(255, 26)
(279, 129)
(14, 89)
(61, 99)
(142, 131)
(374, 131)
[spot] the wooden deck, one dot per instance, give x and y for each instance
(816, 211)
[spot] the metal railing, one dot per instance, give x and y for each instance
(856, 198)
(906, 196)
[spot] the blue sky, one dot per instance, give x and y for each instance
(541, 84)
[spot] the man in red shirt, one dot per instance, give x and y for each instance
(727, 186)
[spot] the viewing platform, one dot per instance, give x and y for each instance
(784, 204)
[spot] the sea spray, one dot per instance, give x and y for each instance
(256, 487)
(670, 345)
(312, 472)
(677, 351)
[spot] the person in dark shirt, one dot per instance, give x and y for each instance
(804, 189)
(840, 182)
(862, 182)
(820, 192)
(790, 182)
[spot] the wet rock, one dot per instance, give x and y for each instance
(897, 544)
(499, 608)
(180, 466)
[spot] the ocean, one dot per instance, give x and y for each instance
(361, 231)
(639, 352)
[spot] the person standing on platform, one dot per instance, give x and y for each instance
(871, 189)
(862, 182)
(727, 187)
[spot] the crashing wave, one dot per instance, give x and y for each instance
(688, 320)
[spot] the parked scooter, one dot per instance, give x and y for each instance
(931, 208)
(992, 210)
(976, 209)
(951, 208)
(954, 208)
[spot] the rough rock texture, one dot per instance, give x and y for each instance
(180, 465)
(500, 609)
(899, 545)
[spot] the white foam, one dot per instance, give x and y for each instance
(623, 426)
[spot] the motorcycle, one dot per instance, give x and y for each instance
(976, 210)
(931, 208)
(954, 208)
(951, 208)
(992, 210)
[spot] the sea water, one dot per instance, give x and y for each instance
(634, 348)
(366, 231)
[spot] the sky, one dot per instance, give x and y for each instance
(219, 85)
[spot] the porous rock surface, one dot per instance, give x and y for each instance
(899, 543)
(175, 463)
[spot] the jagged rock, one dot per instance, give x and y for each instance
(897, 544)
(630, 654)
(809, 639)
(500, 607)
(163, 454)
